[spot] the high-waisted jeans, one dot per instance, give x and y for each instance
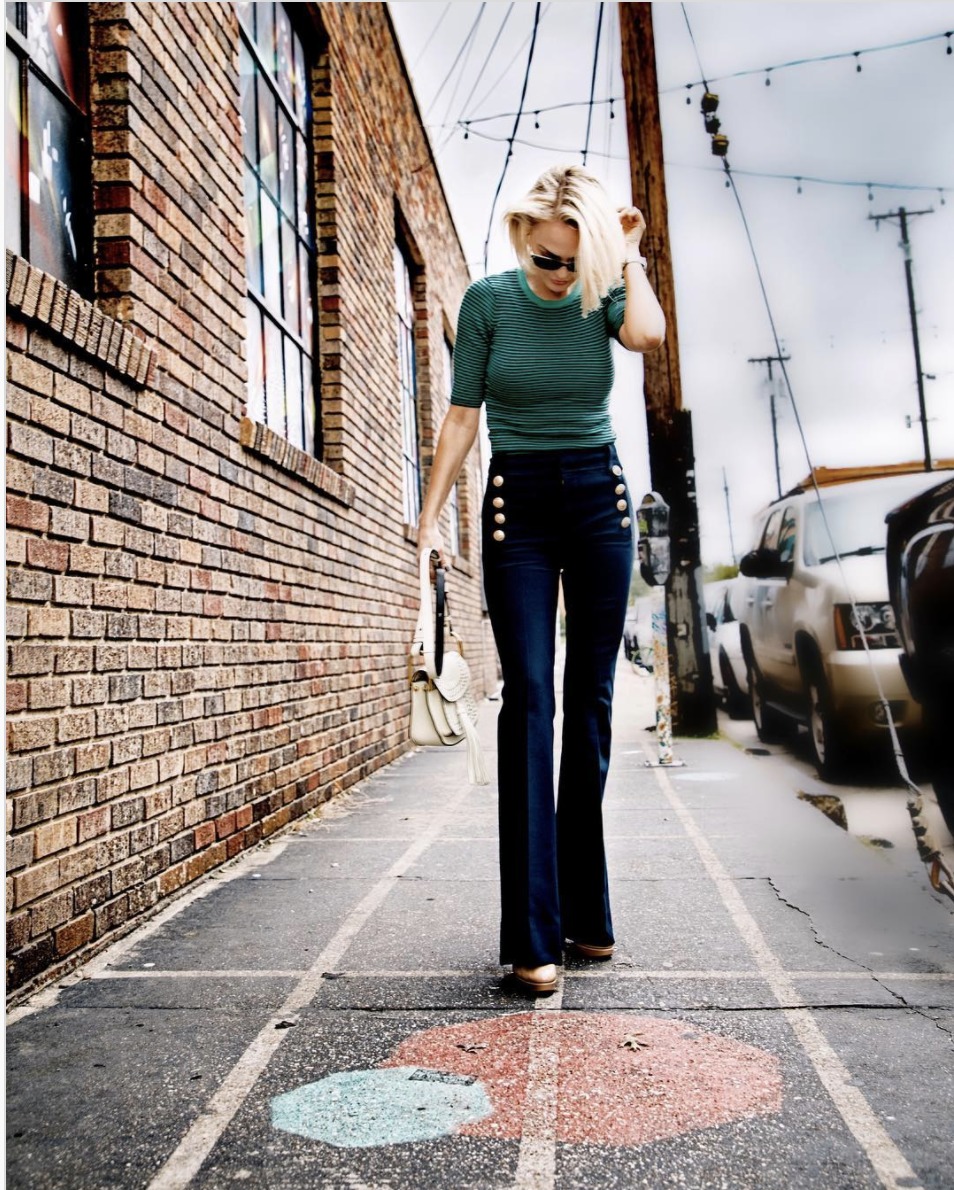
(547, 514)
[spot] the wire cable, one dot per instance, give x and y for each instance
(453, 65)
(471, 41)
(523, 96)
(490, 53)
(506, 70)
(873, 49)
(430, 37)
(596, 58)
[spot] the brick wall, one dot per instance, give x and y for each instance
(207, 628)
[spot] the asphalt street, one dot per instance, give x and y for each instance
(327, 1011)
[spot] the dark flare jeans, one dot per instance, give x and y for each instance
(549, 514)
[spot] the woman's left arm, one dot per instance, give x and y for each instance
(644, 324)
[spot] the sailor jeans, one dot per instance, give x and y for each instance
(549, 515)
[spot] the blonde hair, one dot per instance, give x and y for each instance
(575, 196)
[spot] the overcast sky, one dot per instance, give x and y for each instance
(835, 284)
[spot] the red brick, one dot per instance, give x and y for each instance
(27, 514)
(74, 935)
(204, 834)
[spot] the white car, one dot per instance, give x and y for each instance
(818, 631)
(730, 678)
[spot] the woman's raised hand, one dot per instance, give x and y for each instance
(633, 224)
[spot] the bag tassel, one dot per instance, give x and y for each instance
(476, 769)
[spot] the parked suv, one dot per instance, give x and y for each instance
(802, 638)
(921, 582)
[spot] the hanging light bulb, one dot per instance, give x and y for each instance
(858, 61)
(870, 194)
(768, 78)
(799, 181)
(612, 113)
(466, 129)
(949, 49)
(688, 92)
(536, 119)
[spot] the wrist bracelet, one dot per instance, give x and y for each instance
(640, 260)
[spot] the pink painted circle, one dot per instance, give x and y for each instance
(612, 1079)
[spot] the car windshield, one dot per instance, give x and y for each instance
(855, 521)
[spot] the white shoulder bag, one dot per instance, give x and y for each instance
(443, 709)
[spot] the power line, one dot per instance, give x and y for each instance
(453, 127)
(596, 58)
(523, 95)
(766, 70)
(471, 41)
(453, 65)
(506, 69)
(430, 37)
(742, 173)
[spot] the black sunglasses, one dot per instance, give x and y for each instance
(550, 264)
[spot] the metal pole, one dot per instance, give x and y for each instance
(902, 216)
(906, 245)
(728, 515)
(769, 360)
(661, 678)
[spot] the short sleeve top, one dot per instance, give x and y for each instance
(543, 370)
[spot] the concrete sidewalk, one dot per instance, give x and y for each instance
(328, 1011)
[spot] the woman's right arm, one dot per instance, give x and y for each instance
(456, 438)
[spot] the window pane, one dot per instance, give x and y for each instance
(267, 153)
(300, 82)
(11, 137)
(301, 187)
(286, 164)
(304, 293)
(286, 61)
(253, 233)
(256, 366)
(247, 105)
(56, 166)
(274, 379)
(246, 15)
(308, 401)
(271, 256)
(265, 21)
(55, 39)
(293, 394)
(290, 277)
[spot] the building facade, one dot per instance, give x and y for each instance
(232, 282)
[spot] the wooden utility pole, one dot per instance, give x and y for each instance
(671, 460)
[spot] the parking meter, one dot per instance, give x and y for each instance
(652, 518)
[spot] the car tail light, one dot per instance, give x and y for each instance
(873, 622)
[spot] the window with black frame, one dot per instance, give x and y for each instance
(280, 242)
(48, 185)
(407, 365)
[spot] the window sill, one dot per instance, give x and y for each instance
(41, 299)
(266, 444)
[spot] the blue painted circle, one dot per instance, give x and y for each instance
(365, 1108)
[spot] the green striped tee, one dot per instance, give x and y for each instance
(544, 371)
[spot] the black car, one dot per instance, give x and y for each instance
(920, 557)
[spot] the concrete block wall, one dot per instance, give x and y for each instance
(207, 628)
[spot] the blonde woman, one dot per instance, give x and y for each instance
(533, 345)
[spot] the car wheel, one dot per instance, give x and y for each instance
(736, 703)
(827, 746)
(768, 722)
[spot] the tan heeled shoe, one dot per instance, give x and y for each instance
(539, 980)
(585, 951)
